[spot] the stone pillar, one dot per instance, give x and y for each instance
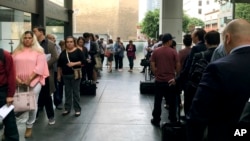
(39, 19)
(171, 12)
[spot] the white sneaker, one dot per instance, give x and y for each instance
(52, 121)
(120, 70)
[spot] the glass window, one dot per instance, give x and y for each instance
(12, 24)
(200, 3)
(200, 11)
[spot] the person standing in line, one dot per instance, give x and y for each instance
(183, 53)
(131, 49)
(165, 65)
(224, 89)
(218, 53)
(101, 47)
(31, 70)
(118, 54)
(58, 94)
(45, 98)
(183, 78)
(62, 44)
(71, 58)
(92, 52)
(147, 53)
(80, 42)
(110, 51)
(7, 91)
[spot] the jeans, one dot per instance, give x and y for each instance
(118, 62)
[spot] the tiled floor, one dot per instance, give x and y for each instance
(117, 113)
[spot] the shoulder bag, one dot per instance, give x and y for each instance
(24, 101)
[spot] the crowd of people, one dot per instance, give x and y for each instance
(213, 76)
(48, 69)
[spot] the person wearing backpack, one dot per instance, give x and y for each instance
(182, 78)
(199, 64)
(224, 88)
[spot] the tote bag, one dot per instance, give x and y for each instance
(24, 101)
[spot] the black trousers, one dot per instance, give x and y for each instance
(89, 71)
(163, 89)
(102, 57)
(189, 93)
(45, 99)
(58, 94)
(10, 126)
(118, 62)
(131, 62)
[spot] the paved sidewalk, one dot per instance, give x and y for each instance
(117, 113)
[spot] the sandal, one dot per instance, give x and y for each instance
(65, 113)
(77, 114)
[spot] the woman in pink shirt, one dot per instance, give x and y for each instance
(31, 69)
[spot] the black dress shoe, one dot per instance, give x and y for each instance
(142, 71)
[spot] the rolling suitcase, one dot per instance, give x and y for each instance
(174, 131)
(87, 88)
(147, 86)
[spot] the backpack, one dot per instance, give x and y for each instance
(197, 69)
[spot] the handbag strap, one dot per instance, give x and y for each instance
(18, 89)
(67, 55)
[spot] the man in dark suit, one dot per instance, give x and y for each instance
(182, 79)
(224, 88)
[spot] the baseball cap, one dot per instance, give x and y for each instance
(166, 37)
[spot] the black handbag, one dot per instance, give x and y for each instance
(145, 62)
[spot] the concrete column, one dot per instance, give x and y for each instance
(39, 19)
(68, 26)
(171, 12)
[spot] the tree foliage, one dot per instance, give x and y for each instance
(242, 11)
(185, 22)
(196, 22)
(150, 24)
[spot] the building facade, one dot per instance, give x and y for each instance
(212, 21)
(17, 16)
(198, 8)
(116, 18)
(225, 15)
